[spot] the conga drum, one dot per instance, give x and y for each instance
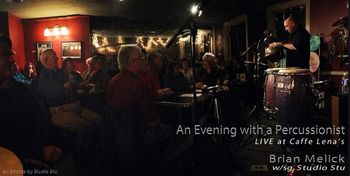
(10, 163)
(269, 88)
(293, 97)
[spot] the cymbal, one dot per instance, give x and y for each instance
(343, 21)
(251, 62)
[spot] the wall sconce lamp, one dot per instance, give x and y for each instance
(56, 31)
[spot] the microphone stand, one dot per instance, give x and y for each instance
(193, 48)
(189, 23)
(258, 106)
(256, 79)
(249, 48)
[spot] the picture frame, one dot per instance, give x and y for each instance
(71, 49)
(42, 46)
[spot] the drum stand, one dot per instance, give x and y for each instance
(215, 104)
(257, 108)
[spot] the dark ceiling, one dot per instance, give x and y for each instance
(129, 15)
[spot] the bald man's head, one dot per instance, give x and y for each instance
(290, 25)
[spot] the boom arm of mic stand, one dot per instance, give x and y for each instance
(179, 31)
(187, 23)
(249, 48)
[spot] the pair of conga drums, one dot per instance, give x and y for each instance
(288, 94)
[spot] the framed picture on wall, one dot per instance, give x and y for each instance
(71, 49)
(42, 46)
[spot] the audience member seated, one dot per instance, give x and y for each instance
(156, 65)
(65, 109)
(73, 77)
(23, 129)
(18, 76)
(153, 77)
(186, 70)
(134, 115)
(213, 74)
(90, 67)
(96, 77)
(29, 71)
(175, 80)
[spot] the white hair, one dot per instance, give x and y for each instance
(44, 56)
(208, 57)
(125, 54)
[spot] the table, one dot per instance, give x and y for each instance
(184, 100)
(180, 102)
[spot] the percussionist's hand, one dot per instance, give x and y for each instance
(275, 44)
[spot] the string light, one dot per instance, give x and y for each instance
(184, 39)
(104, 41)
(120, 39)
(146, 42)
(110, 49)
(161, 42)
(139, 41)
(95, 41)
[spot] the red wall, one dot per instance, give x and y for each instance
(323, 13)
(79, 30)
(16, 34)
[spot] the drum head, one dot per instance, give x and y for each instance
(294, 72)
(315, 42)
(314, 62)
(272, 70)
(275, 70)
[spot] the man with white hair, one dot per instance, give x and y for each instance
(213, 74)
(132, 120)
(126, 90)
